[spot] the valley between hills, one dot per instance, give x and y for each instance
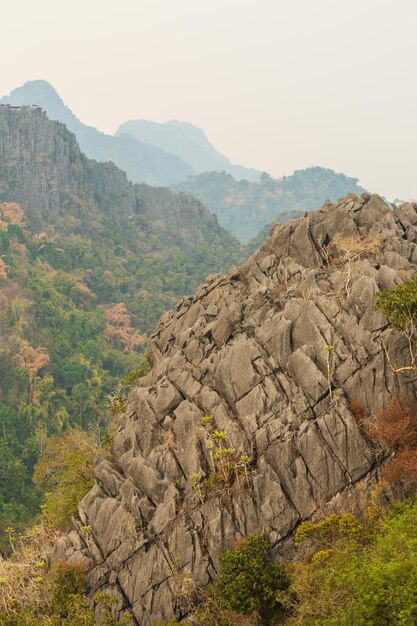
(208, 383)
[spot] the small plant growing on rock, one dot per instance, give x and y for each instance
(347, 250)
(226, 463)
(197, 486)
(399, 306)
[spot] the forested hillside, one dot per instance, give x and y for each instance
(244, 207)
(60, 354)
(88, 263)
(260, 469)
(139, 244)
(277, 395)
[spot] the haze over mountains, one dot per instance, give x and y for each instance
(271, 360)
(141, 162)
(78, 241)
(189, 143)
(178, 154)
(245, 208)
(157, 154)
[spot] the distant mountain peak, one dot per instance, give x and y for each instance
(42, 93)
(142, 162)
(188, 142)
(39, 89)
(37, 83)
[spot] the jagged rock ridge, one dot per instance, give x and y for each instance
(43, 169)
(249, 349)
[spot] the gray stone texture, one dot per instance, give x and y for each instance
(249, 349)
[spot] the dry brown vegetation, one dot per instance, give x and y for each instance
(23, 576)
(393, 430)
(345, 251)
(119, 328)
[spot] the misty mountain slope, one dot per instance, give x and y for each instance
(187, 142)
(83, 244)
(244, 207)
(162, 244)
(141, 162)
(244, 424)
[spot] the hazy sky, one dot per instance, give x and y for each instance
(277, 85)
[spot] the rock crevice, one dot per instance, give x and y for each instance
(274, 353)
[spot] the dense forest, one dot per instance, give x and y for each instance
(75, 312)
(88, 263)
(354, 564)
(244, 207)
(61, 355)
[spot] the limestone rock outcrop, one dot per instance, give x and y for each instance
(142, 162)
(274, 353)
(43, 169)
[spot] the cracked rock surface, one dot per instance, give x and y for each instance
(274, 353)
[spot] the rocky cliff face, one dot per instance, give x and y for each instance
(273, 353)
(142, 162)
(42, 168)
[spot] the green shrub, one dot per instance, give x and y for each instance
(352, 582)
(249, 582)
(66, 469)
(66, 581)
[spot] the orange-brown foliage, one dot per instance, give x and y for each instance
(359, 412)
(395, 430)
(119, 328)
(31, 359)
(4, 269)
(12, 213)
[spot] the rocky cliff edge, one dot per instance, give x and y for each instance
(244, 423)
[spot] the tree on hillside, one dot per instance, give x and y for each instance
(119, 328)
(11, 213)
(30, 358)
(249, 584)
(399, 306)
(4, 269)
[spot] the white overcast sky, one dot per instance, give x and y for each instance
(277, 85)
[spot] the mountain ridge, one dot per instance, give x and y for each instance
(245, 423)
(189, 143)
(142, 162)
(245, 207)
(162, 159)
(80, 244)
